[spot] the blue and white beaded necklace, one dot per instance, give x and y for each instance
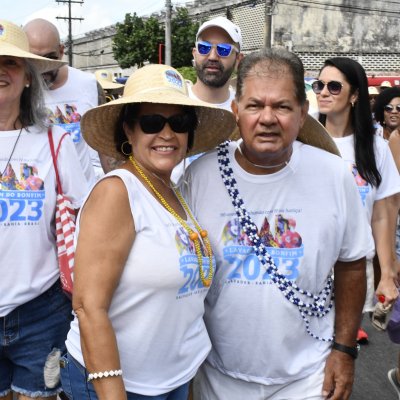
(323, 302)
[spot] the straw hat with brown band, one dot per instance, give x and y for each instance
(161, 84)
(105, 79)
(14, 42)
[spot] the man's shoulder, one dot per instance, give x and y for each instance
(82, 75)
(204, 163)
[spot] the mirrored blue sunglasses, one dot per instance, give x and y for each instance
(223, 49)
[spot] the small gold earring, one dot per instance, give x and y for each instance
(352, 104)
(123, 148)
(27, 85)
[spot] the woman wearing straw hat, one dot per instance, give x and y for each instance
(143, 263)
(34, 312)
(343, 101)
(277, 212)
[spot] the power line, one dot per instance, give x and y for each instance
(69, 19)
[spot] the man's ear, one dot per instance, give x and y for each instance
(238, 59)
(61, 49)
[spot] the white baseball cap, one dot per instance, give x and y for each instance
(386, 84)
(228, 26)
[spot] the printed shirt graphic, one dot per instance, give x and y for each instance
(363, 186)
(300, 213)
(157, 308)
(25, 194)
(189, 264)
(68, 119)
(65, 107)
(283, 244)
(27, 206)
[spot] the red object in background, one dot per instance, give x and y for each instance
(160, 52)
(381, 298)
(377, 80)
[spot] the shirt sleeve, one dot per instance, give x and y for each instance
(387, 167)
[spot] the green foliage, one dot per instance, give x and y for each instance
(188, 73)
(182, 38)
(137, 40)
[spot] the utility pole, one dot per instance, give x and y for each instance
(269, 5)
(70, 18)
(168, 52)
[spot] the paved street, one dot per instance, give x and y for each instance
(374, 361)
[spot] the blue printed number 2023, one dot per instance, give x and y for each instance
(192, 275)
(250, 268)
(20, 210)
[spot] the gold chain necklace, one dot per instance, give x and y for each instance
(194, 236)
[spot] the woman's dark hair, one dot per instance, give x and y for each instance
(382, 100)
(129, 114)
(361, 118)
(275, 61)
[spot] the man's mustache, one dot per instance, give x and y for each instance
(213, 64)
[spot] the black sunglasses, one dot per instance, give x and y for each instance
(51, 56)
(223, 49)
(390, 108)
(334, 87)
(179, 123)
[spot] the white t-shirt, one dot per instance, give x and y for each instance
(386, 166)
(158, 306)
(309, 215)
(226, 105)
(27, 209)
(66, 105)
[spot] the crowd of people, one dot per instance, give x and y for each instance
(242, 273)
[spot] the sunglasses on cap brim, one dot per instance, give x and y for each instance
(390, 107)
(223, 49)
(334, 87)
(179, 123)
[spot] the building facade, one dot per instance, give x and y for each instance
(365, 30)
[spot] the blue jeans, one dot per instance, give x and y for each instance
(76, 387)
(32, 338)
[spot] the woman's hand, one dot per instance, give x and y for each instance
(387, 288)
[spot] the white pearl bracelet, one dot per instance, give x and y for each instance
(105, 374)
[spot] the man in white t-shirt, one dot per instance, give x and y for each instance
(281, 217)
(70, 93)
(215, 57)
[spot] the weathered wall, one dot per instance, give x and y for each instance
(366, 30)
(338, 26)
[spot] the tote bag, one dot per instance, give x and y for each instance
(65, 227)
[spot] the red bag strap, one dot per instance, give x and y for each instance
(54, 155)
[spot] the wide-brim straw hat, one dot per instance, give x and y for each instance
(312, 133)
(105, 79)
(159, 84)
(14, 42)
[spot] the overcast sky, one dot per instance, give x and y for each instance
(96, 13)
